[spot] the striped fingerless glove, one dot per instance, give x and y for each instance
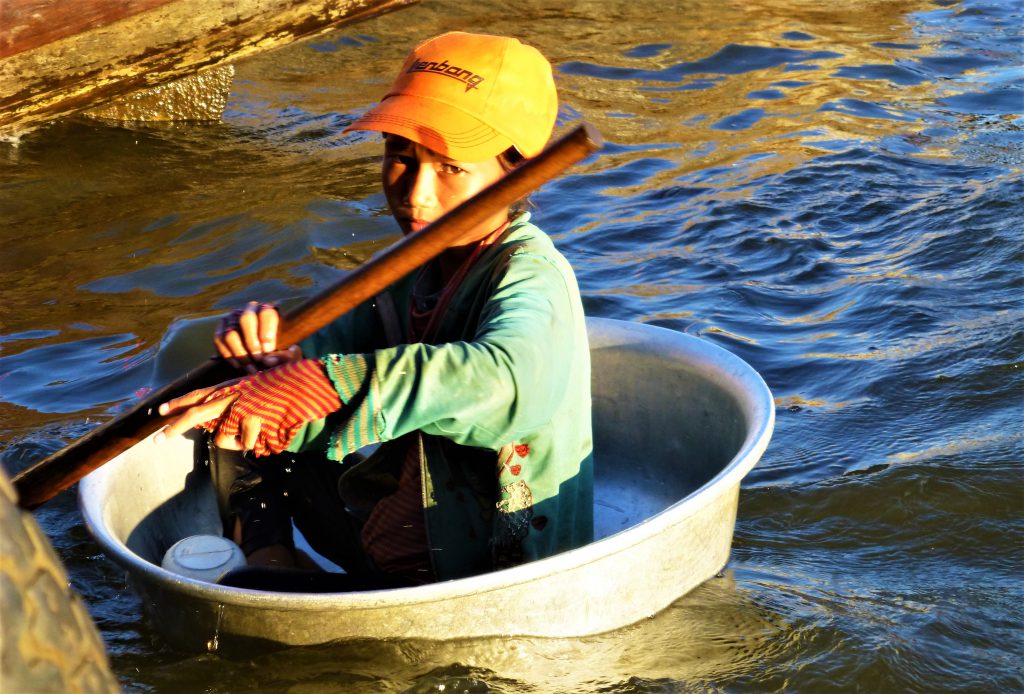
(284, 398)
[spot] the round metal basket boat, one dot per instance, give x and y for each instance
(678, 423)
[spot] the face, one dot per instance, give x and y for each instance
(422, 185)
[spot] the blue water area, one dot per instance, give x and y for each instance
(29, 375)
(832, 193)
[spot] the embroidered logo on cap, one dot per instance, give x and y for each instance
(467, 77)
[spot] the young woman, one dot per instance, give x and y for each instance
(472, 374)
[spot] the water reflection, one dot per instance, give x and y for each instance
(715, 631)
(830, 191)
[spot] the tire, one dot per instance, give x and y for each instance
(48, 642)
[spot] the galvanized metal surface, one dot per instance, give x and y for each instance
(678, 423)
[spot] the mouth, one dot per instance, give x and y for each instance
(416, 225)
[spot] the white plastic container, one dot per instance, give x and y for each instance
(203, 557)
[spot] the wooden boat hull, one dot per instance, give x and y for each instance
(678, 423)
(58, 57)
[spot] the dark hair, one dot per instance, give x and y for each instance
(510, 159)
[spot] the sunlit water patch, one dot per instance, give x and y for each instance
(831, 192)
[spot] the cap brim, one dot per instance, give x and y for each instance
(434, 124)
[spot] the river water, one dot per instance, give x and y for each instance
(831, 191)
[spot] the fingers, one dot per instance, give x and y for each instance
(245, 336)
(283, 356)
(268, 321)
(229, 342)
(250, 432)
(229, 346)
(247, 438)
(249, 327)
(178, 405)
(258, 326)
(195, 414)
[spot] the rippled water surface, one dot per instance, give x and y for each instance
(831, 191)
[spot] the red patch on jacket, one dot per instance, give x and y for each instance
(540, 522)
(522, 449)
(516, 469)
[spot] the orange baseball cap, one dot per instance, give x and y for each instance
(470, 97)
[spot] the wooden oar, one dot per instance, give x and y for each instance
(45, 479)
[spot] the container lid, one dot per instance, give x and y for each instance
(206, 557)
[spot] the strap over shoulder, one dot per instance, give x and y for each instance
(389, 317)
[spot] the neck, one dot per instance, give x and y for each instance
(449, 262)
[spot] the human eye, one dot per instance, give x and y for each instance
(451, 169)
(399, 159)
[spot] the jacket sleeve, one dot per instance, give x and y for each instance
(497, 387)
(354, 332)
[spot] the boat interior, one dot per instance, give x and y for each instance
(666, 422)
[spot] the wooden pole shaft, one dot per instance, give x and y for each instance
(42, 481)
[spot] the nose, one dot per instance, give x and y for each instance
(422, 193)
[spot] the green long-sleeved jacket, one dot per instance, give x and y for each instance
(500, 405)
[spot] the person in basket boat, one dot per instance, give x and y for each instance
(472, 374)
